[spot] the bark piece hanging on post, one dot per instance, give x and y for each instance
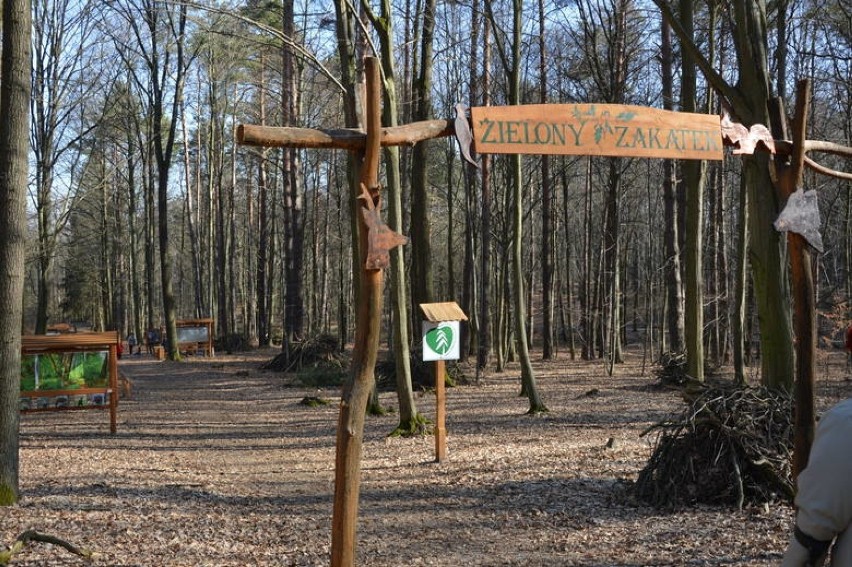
(801, 215)
(745, 140)
(463, 134)
(381, 239)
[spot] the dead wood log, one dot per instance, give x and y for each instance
(30, 536)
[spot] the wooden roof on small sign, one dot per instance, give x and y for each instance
(447, 311)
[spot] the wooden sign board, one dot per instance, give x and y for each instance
(616, 130)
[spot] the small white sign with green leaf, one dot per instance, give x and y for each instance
(441, 341)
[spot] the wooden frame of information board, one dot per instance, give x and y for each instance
(76, 343)
(206, 345)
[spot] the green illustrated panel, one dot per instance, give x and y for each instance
(64, 371)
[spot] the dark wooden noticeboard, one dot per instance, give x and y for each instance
(195, 335)
(616, 130)
(75, 380)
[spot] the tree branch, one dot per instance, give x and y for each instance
(31, 535)
(713, 78)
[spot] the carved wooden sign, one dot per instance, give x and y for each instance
(596, 129)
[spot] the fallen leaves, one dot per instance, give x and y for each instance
(206, 473)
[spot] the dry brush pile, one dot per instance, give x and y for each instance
(730, 446)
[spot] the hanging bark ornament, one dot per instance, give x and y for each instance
(745, 140)
(381, 239)
(463, 134)
(801, 215)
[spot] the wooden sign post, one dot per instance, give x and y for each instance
(441, 340)
(578, 129)
(375, 242)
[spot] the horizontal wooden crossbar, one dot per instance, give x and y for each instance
(54, 393)
(37, 344)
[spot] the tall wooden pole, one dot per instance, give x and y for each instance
(804, 300)
(356, 393)
(113, 386)
(440, 412)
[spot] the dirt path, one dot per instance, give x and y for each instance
(216, 463)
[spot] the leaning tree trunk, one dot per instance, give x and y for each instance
(14, 107)
(409, 420)
(517, 211)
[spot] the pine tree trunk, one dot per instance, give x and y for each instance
(294, 312)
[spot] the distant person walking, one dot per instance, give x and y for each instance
(131, 342)
(152, 339)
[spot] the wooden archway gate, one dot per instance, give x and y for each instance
(578, 129)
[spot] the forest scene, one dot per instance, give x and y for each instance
(645, 342)
(64, 371)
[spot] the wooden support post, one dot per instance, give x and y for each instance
(353, 404)
(440, 412)
(113, 386)
(804, 300)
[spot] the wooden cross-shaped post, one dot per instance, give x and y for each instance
(614, 130)
(376, 240)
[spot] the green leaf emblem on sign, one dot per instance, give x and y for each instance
(440, 340)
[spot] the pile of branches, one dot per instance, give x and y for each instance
(320, 351)
(731, 446)
(672, 371)
(422, 373)
(235, 342)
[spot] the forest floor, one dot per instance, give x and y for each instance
(217, 463)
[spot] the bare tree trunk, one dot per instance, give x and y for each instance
(517, 211)
(485, 334)
(422, 284)
(135, 290)
(587, 299)
(470, 290)
(263, 241)
(547, 267)
(569, 280)
(222, 284)
(612, 263)
(693, 181)
(150, 232)
(771, 291)
(231, 257)
(14, 106)
(409, 419)
(294, 311)
(674, 287)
